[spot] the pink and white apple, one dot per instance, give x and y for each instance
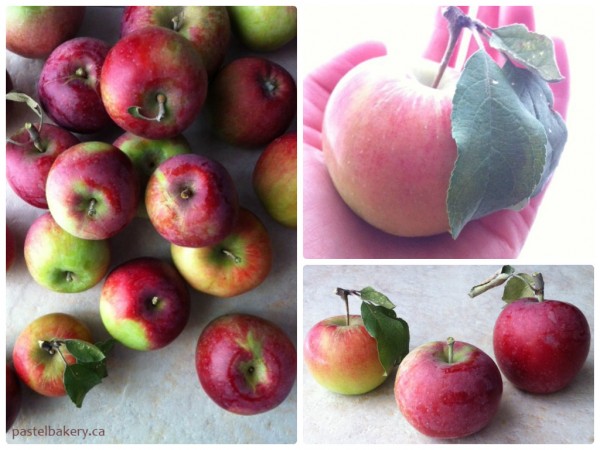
(62, 262)
(264, 28)
(144, 304)
(245, 364)
(251, 101)
(41, 367)
(233, 266)
(388, 145)
(207, 27)
(14, 397)
(275, 179)
(448, 389)
(92, 190)
(69, 85)
(192, 201)
(153, 83)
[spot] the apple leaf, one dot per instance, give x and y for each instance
(79, 379)
(534, 51)
(501, 145)
(106, 346)
(518, 285)
(370, 295)
(84, 351)
(496, 279)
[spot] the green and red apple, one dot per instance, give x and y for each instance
(264, 28)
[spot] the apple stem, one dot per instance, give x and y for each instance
(161, 99)
(232, 255)
(450, 342)
(91, 212)
(538, 286)
(81, 73)
(34, 134)
(343, 293)
(69, 276)
(177, 22)
(186, 193)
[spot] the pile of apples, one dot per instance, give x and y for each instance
(167, 66)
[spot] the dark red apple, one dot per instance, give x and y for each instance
(14, 397)
(11, 248)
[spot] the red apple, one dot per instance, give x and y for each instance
(144, 303)
(233, 266)
(540, 346)
(29, 158)
(275, 179)
(37, 366)
(14, 397)
(448, 390)
(34, 31)
(388, 145)
(92, 190)
(192, 201)
(207, 27)
(246, 364)
(153, 83)
(252, 101)
(342, 356)
(69, 85)
(11, 249)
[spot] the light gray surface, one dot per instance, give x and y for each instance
(154, 397)
(434, 301)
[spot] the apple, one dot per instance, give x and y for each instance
(69, 85)
(275, 179)
(62, 262)
(41, 367)
(342, 356)
(14, 397)
(153, 83)
(192, 201)
(34, 31)
(11, 248)
(207, 27)
(144, 304)
(235, 265)
(92, 190)
(448, 389)
(540, 346)
(251, 101)
(245, 364)
(29, 157)
(388, 145)
(147, 154)
(264, 28)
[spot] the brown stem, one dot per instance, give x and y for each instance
(343, 293)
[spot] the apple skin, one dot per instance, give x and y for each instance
(27, 167)
(233, 266)
(144, 304)
(144, 65)
(92, 190)
(36, 367)
(264, 28)
(79, 268)
(245, 364)
(541, 346)
(192, 201)
(275, 179)
(14, 397)
(388, 145)
(34, 31)
(11, 248)
(69, 85)
(207, 27)
(448, 400)
(343, 358)
(251, 101)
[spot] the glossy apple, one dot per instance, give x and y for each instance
(62, 262)
(42, 369)
(245, 364)
(69, 85)
(251, 101)
(388, 145)
(11, 248)
(448, 394)
(231, 267)
(264, 28)
(29, 158)
(343, 357)
(153, 83)
(207, 27)
(540, 346)
(144, 303)
(34, 31)
(14, 397)
(192, 201)
(92, 190)
(275, 179)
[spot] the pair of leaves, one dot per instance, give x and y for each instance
(517, 285)
(509, 137)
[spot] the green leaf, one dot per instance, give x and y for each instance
(84, 351)
(390, 332)
(24, 98)
(377, 298)
(79, 379)
(106, 346)
(518, 287)
(501, 146)
(534, 51)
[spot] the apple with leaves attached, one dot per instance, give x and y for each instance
(264, 28)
